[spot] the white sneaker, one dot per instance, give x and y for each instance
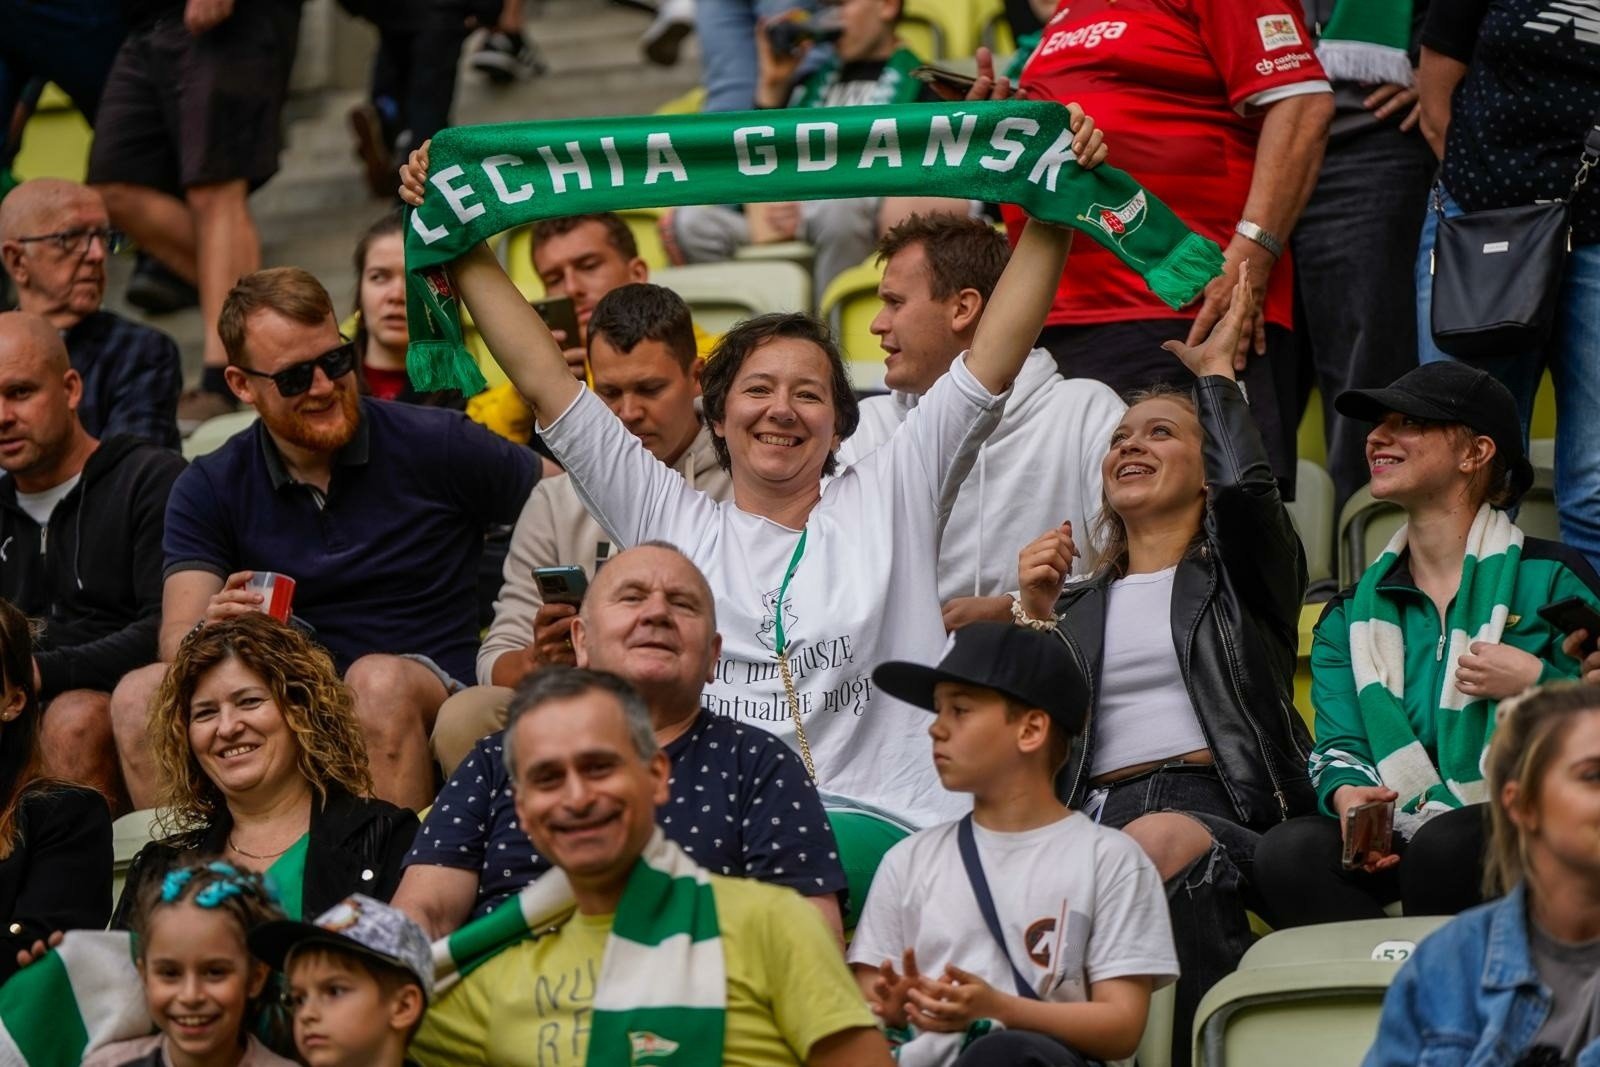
(674, 21)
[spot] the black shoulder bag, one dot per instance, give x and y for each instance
(980, 889)
(1497, 274)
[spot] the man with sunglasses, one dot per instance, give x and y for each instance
(55, 238)
(376, 510)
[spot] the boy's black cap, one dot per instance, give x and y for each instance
(1450, 392)
(1033, 668)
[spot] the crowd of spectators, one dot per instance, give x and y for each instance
(947, 725)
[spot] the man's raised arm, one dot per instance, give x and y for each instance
(516, 336)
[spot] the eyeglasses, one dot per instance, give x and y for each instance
(297, 377)
(76, 242)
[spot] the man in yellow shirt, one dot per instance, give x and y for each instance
(588, 775)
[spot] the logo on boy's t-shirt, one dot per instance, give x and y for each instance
(1278, 31)
(1039, 941)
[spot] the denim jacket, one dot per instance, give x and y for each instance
(1431, 1018)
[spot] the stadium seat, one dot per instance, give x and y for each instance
(128, 835)
(1366, 525)
(801, 253)
(1309, 614)
(1155, 1046)
(1311, 443)
(1312, 512)
(721, 294)
(210, 435)
(849, 305)
(55, 143)
(1308, 996)
(689, 103)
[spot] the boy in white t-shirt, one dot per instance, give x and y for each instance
(1081, 916)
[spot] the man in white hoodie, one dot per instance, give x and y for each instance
(645, 366)
(1041, 466)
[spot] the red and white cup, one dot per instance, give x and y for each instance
(277, 593)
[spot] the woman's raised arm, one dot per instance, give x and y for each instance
(517, 337)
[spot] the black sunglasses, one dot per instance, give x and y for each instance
(297, 377)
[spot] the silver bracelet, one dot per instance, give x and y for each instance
(1250, 230)
(1020, 616)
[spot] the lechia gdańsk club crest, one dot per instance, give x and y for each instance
(1118, 222)
(647, 1046)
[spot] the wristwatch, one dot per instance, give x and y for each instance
(1245, 228)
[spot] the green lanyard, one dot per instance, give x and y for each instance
(781, 645)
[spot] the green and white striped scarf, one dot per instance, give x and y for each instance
(79, 996)
(662, 993)
(1378, 658)
(1367, 41)
(485, 179)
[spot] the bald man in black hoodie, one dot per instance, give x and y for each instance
(80, 547)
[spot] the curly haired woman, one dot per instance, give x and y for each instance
(262, 762)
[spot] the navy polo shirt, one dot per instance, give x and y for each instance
(388, 560)
(740, 804)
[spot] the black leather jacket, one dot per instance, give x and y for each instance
(1235, 622)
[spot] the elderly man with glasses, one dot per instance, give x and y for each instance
(54, 241)
(376, 510)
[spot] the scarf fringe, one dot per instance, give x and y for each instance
(435, 365)
(1184, 272)
(1365, 62)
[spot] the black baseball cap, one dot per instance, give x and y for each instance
(1451, 392)
(1033, 668)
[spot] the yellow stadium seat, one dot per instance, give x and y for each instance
(210, 435)
(849, 305)
(1309, 614)
(1543, 423)
(689, 103)
(942, 29)
(1312, 512)
(128, 835)
(1311, 442)
(1308, 996)
(721, 294)
(56, 141)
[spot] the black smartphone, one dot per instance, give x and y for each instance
(946, 84)
(559, 313)
(1574, 613)
(561, 585)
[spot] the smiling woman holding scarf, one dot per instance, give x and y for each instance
(815, 585)
(1408, 665)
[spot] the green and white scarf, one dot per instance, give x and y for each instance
(1378, 657)
(485, 179)
(81, 995)
(662, 993)
(1367, 41)
(895, 85)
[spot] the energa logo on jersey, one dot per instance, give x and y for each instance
(647, 1046)
(1118, 222)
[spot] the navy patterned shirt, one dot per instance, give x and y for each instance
(131, 378)
(740, 804)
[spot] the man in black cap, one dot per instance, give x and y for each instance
(1024, 913)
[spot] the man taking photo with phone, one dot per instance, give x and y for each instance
(645, 365)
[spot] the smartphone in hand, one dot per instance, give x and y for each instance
(559, 313)
(1368, 828)
(561, 585)
(946, 84)
(1573, 614)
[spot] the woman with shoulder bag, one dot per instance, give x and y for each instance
(1188, 632)
(1510, 98)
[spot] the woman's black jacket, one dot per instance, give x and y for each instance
(357, 846)
(1235, 623)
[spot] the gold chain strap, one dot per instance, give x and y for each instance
(794, 713)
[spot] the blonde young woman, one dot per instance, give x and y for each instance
(262, 763)
(1516, 983)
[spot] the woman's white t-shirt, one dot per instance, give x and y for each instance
(1143, 712)
(865, 590)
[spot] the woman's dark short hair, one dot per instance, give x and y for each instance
(737, 345)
